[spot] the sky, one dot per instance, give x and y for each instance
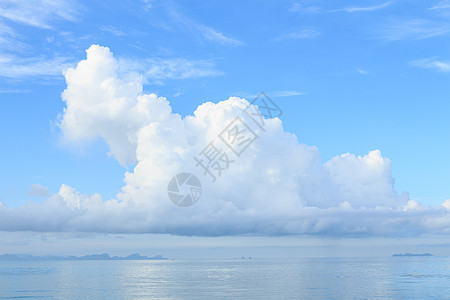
(102, 104)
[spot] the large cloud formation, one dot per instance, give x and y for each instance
(277, 186)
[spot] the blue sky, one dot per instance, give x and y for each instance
(350, 76)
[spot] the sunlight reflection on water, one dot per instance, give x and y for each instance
(414, 277)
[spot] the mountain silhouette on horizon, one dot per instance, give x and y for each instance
(103, 256)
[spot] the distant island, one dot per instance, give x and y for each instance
(104, 256)
(413, 254)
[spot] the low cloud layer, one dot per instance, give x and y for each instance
(277, 186)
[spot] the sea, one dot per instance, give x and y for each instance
(257, 278)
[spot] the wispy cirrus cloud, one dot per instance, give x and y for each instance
(9, 39)
(366, 8)
(204, 32)
(362, 72)
(40, 13)
(431, 63)
(290, 93)
(441, 5)
(15, 62)
(273, 94)
(113, 30)
(412, 29)
(156, 70)
(306, 9)
(312, 9)
(14, 67)
(301, 34)
(212, 35)
(13, 91)
(441, 8)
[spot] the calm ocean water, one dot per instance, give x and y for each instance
(317, 278)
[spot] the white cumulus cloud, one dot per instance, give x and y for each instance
(277, 186)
